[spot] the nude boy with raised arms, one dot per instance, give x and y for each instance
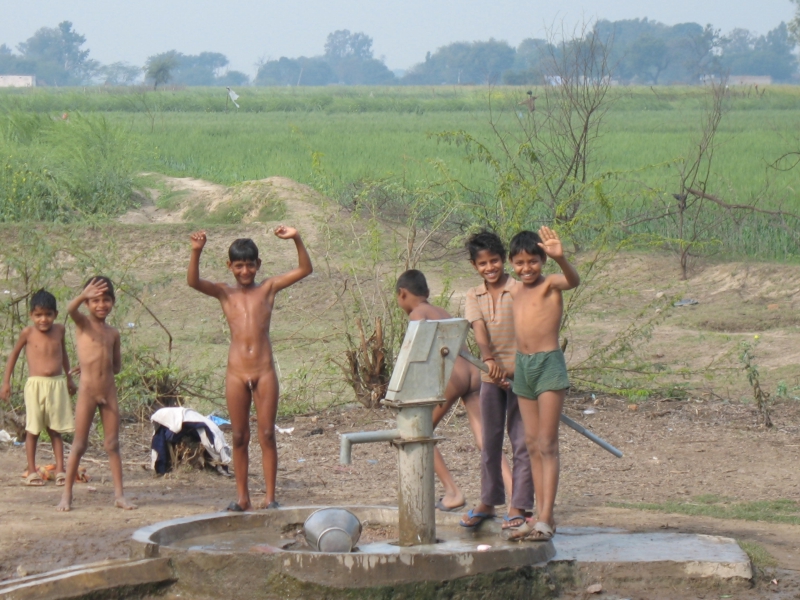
(250, 376)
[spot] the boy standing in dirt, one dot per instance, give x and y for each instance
(47, 391)
(540, 371)
(250, 376)
(99, 357)
(489, 311)
(412, 296)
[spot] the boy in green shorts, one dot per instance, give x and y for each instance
(540, 373)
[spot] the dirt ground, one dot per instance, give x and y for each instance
(673, 451)
(708, 444)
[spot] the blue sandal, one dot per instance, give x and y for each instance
(481, 516)
(509, 520)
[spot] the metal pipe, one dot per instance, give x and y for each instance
(363, 437)
(596, 439)
(564, 418)
(416, 497)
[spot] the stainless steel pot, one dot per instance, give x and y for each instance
(332, 530)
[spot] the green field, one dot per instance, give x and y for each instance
(334, 137)
(385, 132)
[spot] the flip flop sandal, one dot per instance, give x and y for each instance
(518, 534)
(34, 480)
(272, 505)
(481, 516)
(541, 532)
(234, 507)
(443, 508)
(514, 522)
(61, 479)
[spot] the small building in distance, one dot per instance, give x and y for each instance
(749, 80)
(17, 81)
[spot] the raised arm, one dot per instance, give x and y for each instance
(92, 290)
(551, 244)
(5, 388)
(193, 274)
(304, 268)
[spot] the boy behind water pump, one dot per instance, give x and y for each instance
(412, 297)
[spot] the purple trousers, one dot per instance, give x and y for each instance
(500, 411)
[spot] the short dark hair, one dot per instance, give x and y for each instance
(414, 282)
(526, 241)
(107, 281)
(43, 299)
(485, 240)
(243, 249)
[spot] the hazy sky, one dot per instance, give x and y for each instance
(403, 30)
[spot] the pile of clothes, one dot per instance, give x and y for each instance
(176, 425)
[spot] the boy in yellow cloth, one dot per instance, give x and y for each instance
(47, 391)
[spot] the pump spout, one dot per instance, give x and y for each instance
(363, 437)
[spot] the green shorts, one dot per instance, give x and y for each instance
(540, 372)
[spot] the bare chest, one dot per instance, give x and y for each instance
(45, 346)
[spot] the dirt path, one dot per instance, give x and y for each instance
(672, 453)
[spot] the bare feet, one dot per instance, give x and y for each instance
(453, 502)
(65, 505)
(120, 502)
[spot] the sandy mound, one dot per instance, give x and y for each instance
(164, 199)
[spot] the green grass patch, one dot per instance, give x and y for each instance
(771, 511)
(758, 555)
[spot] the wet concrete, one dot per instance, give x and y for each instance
(655, 560)
(104, 579)
(211, 553)
(257, 555)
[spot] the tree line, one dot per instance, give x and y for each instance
(638, 51)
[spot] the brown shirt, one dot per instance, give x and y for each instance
(499, 321)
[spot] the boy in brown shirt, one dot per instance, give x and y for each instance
(490, 313)
(250, 376)
(47, 391)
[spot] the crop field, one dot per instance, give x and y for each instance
(376, 133)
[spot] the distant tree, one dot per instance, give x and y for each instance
(794, 24)
(354, 71)
(199, 69)
(206, 68)
(342, 44)
(295, 71)
(58, 55)
(119, 73)
(527, 67)
(352, 62)
(464, 62)
(772, 54)
(649, 57)
(230, 78)
(158, 68)
(12, 64)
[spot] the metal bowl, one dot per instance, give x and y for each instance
(332, 530)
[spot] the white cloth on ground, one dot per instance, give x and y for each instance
(173, 419)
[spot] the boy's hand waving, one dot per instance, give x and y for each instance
(285, 233)
(198, 240)
(551, 244)
(95, 289)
